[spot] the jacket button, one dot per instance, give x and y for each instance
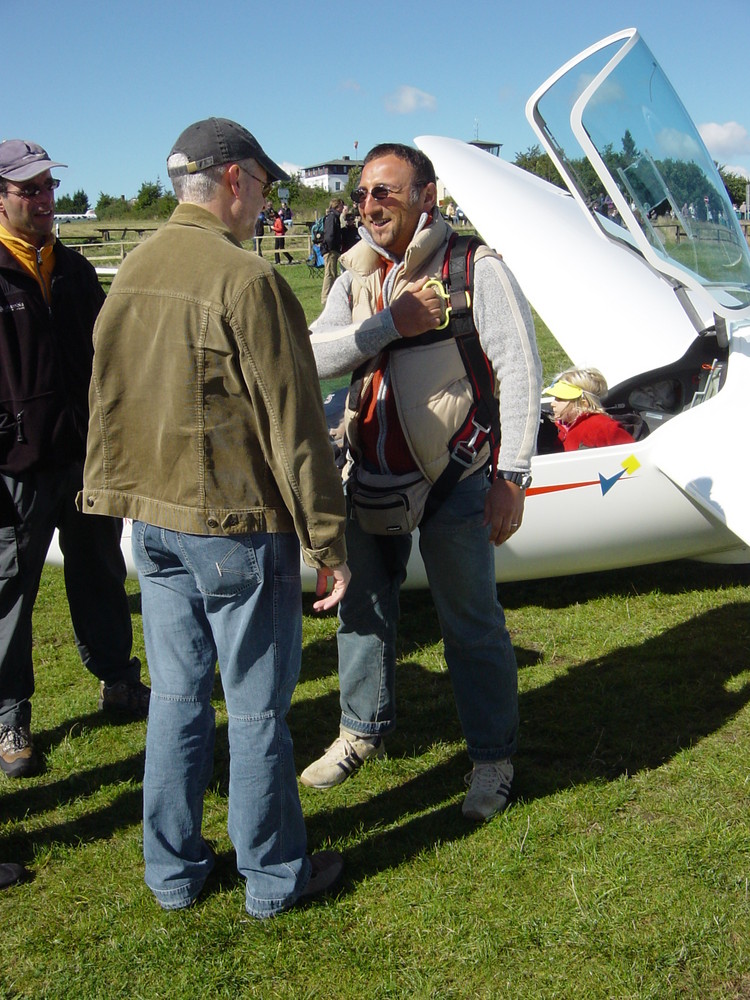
(90, 501)
(212, 522)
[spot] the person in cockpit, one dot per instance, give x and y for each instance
(577, 411)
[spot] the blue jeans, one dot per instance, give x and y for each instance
(236, 599)
(31, 507)
(460, 565)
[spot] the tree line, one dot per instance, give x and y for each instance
(153, 201)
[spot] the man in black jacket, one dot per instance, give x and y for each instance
(49, 300)
(331, 245)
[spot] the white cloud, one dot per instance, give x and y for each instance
(406, 100)
(729, 139)
(290, 168)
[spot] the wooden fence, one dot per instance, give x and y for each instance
(107, 256)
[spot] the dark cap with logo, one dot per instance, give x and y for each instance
(214, 141)
(20, 160)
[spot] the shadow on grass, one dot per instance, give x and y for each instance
(629, 710)
(666, 578)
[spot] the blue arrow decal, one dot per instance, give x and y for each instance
(607, 483)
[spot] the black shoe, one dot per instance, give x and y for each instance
(327, 870)
(12, 874)
(18, 758)
(129, 697)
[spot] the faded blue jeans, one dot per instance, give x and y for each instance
(460, 565)
(236, 599)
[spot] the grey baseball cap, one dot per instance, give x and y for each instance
(21, 159)
(214, 141)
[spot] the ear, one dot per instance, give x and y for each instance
(231, 178)
(429, 195)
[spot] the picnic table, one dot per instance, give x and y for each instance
(107, 231)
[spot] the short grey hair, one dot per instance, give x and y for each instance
(197, 188)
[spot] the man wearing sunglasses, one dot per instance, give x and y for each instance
(408, 401)
(49, 300)
(207, 428)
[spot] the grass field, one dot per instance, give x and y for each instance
(620, 870)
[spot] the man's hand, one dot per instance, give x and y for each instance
(341, 575)
(503, 510)
(417, 309)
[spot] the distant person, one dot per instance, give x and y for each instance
(50, 298)
(349, 230)
(578, 414)
(331, 245)
(259, 231)
(279, 242)
(205, 391)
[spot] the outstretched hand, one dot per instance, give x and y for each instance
(340, 575)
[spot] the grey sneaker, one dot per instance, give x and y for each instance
(327, 869)
(130, 697)
(18, 757)
(343, 757)
(489, 788)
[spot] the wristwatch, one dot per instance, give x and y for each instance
(522, 479)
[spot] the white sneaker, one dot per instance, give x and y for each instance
(343, 757)
(489, 789)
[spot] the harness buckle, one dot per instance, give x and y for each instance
(465, 452)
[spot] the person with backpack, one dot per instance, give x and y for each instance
(416, 387)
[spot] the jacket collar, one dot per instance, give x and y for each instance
(189, 214)
(365, 257)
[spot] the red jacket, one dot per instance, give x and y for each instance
(593, 430)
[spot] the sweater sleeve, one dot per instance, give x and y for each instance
(506, 331)
(340, 346)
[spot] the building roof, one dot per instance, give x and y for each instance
(345, 161)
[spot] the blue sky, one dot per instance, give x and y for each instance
(106, 86)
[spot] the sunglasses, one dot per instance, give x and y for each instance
(380, 192)
(33, 190)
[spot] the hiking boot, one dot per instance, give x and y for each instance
(18, 757)
(130, 697)
(11, 874)
(343, 757)
(327, 869)
(489, 788)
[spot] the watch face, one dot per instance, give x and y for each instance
(521, 479)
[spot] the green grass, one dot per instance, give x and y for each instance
(620, 869)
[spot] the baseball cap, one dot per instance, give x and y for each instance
(214, 141)
(563, 390)
(20, 160)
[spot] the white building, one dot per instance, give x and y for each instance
(331, 176)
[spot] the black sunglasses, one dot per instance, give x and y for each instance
(33, 190)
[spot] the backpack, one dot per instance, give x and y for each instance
(317, 230)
